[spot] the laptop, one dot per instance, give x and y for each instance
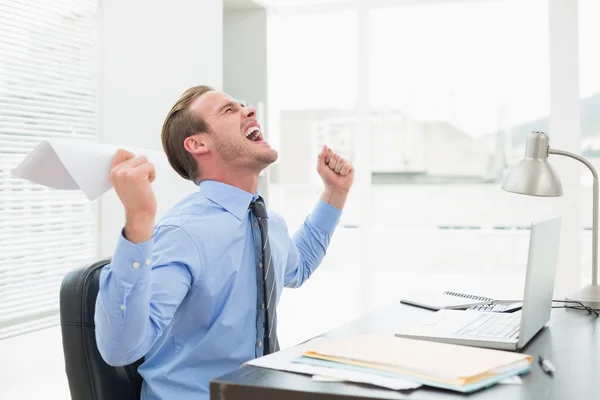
(504, 331)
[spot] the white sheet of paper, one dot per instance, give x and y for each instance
(321, 378)
(513, 380)
(282, 361)
(71, 164)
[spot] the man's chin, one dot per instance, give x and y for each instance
(266, 158)
(274, 156)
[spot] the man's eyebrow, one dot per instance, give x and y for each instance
(231, 104)
(226, 105)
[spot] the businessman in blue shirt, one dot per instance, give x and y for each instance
(195, 294)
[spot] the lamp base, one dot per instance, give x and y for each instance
(589, 295)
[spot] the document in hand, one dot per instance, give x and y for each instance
(448, 366)
(71, 164)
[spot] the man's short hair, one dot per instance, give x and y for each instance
(180, 124)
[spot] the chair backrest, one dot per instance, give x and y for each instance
(90, 378)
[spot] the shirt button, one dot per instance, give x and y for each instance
(262, 306)
(147, 261)
(255, 224)
(136, 265)
(259, 265)
(259, 344)
(123, 307)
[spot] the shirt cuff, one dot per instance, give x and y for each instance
(131, 260)
(325, 216)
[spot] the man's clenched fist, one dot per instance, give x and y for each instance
(337, 175)
(131, 177)
(336, 172)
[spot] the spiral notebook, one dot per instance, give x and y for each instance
(446, 300)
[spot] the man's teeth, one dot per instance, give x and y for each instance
(251, 130)
(253, 133)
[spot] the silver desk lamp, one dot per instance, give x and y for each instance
(534, 176)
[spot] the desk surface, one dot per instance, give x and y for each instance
(571, 341)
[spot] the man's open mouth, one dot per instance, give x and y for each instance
(253, 133)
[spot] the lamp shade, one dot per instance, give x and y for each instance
(533, 175)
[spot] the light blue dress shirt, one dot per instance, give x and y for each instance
(188, 300)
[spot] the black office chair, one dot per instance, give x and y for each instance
(90, 378)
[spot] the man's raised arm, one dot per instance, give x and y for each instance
(149, 274)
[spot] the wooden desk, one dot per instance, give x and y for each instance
(571, 341)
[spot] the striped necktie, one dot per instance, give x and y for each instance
(268, 274)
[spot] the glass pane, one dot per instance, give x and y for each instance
(312, 94)
(455, 89)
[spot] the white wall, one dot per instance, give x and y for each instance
(151, 52)
(245, 54)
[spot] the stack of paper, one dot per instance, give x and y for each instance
(448, 366)
(284, 361)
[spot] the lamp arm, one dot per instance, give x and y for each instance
(576, 157)
(594, 212)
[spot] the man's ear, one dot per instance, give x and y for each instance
(196, 145)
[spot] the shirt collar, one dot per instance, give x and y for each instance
(235, 200)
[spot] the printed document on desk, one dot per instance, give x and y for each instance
(460, 368)
(283, 361)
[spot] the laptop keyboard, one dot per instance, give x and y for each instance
(493, 326)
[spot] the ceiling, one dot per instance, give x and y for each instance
(232, 5)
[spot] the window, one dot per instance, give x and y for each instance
(48, 89)
(312, 96)
(455, 89)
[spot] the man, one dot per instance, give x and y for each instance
(195, 295)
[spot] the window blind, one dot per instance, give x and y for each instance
(48, 89)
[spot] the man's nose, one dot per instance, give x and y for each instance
(249, 112)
